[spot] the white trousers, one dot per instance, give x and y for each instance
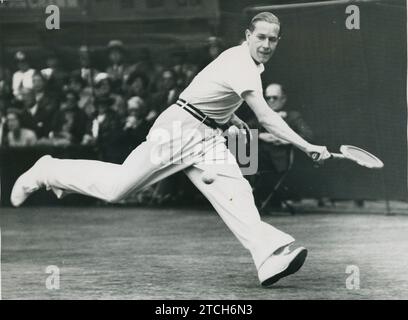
(177, 141)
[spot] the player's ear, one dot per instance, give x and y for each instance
(247, 34)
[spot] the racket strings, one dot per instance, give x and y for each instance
(364, 157)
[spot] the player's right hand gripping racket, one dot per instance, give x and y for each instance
(357, 155)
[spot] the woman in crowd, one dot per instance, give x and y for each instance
(69, 123)
(17, 135)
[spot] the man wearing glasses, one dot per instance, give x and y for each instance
(275, 153)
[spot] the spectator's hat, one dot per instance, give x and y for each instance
(135, 103)
(83, 49)
(116, 45)
(213, 40)
(20, 56)
(101, 77)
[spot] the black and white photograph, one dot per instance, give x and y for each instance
(195, 150)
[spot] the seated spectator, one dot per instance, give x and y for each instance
(79, 86)
(18, 136)
(136, 107)
(54, 74)
(144, 64)
(184, 71)
(215, 47)
(37, 115)
(156, 78)
(5, 87)
(3, 129)
(212, 50)
(118, 70)
(89, 112)
(189, 72)
(105, 131)
(43, 95)
(133, 130)
(274, 153)
(69, 123)
(179, 65)
(103, 89)
(136, 127)
(23, 77)
(168, 95)
(86, 70)
(137, 85)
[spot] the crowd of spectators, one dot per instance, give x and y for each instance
(111, 109)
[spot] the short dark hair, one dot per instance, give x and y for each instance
(267, 17)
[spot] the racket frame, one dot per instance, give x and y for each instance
(346, 155)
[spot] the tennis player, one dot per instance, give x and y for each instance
(188, 136)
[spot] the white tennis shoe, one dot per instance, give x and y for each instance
(28, 182)
(281, 265)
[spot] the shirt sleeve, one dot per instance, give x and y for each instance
(15, 83)
(242, 75)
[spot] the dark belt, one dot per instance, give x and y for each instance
(200, 116)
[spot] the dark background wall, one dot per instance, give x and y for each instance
(351, 87)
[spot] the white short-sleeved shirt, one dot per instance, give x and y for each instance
(22, 80)
(217, 89)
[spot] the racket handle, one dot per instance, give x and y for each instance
(337, 156)
(316, 155)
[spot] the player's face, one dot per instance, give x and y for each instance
(263, 40)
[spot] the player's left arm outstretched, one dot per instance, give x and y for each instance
(274, 124)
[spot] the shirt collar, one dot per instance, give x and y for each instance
(260, 66)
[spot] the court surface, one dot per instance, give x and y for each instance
(138, 253)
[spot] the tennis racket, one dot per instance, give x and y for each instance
(357, 155)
